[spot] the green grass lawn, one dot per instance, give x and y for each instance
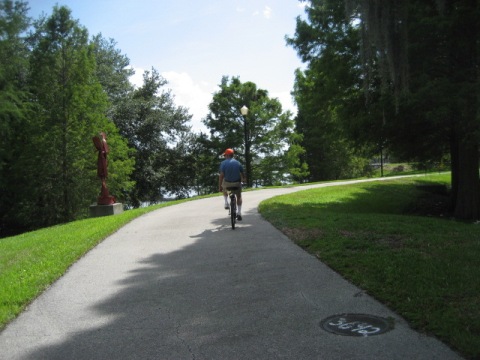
(394, 169)
(30, 262)
(395, 240)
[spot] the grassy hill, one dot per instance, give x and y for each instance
(394, 239)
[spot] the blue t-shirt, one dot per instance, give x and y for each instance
(232, 169)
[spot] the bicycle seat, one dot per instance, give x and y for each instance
(232, 188)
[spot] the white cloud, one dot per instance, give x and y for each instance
(286, 100)
(137, 78)
(267, 12)
(194, 96)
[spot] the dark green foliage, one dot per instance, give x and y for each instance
(59, 159)
(59, 89)
(50, 160)
(432, 53)
(391, 77)
(112, 70)
(14, 107)
(204, 161)
(150, 121)
(329, 96)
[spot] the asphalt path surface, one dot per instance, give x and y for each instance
(179, 283)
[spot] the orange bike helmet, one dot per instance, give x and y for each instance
(228, 152)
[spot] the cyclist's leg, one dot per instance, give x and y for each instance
(225, 198)
(225, 195)
(239, 205)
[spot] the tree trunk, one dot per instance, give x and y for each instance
(464, 63)
(467, 204)
(454, 170)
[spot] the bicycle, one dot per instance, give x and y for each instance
(232, 210)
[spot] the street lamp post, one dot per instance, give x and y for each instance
(244, 112)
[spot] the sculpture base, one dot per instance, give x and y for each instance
(106, 210)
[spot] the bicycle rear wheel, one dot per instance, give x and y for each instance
(233, 211)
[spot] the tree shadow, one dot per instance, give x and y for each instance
(423, 199)
(193, 303)
(222, 296)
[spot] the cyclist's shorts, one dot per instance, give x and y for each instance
(238, 185)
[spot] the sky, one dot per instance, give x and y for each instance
(193, 43)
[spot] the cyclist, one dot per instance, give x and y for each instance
(231, 175)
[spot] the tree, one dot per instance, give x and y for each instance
(58, 159)
(154, 127)
(328, 94)
(297, 167)
(204, 163)
(262, 134)
(14, 99)
(417, 62)
(112, 70)
(445, 82)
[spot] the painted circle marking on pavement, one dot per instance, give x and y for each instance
(356, 325)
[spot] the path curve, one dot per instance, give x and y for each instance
(178, 283)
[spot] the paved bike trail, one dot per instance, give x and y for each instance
(179, 283)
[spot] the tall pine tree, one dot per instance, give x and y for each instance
(14, 103)
(58, 162)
